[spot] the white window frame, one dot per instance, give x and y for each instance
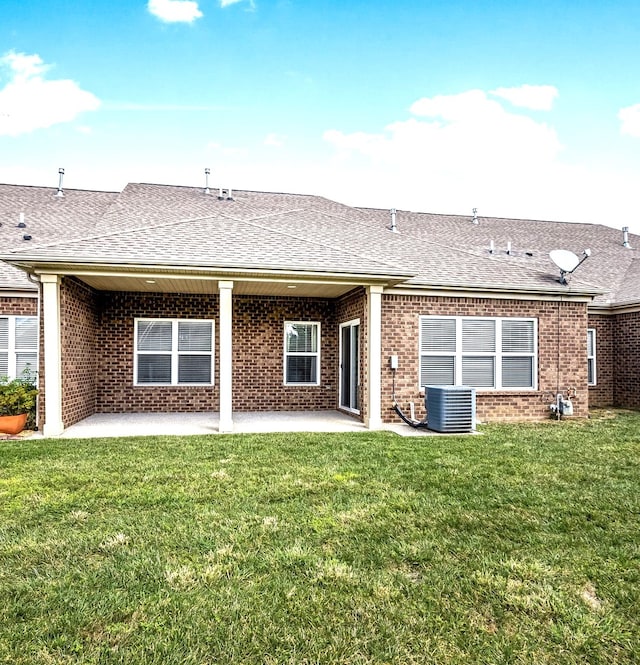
(12, 350)
(174, 353)
(591, 359)
(286, 354)
(498, 354)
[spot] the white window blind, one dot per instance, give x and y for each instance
(301, 353)
(173, 352)
(18, 346)
(484, 352)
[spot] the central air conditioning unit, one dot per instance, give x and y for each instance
(451, 409)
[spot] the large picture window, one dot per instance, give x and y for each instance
(301, 353)
(591, 356)
(486, 353)
(18, 345)
(173, 352)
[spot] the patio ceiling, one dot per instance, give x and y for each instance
(152, 283)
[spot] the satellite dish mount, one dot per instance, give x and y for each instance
(567, 261)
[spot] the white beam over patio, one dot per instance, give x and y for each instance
(225, 289)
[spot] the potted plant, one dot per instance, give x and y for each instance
(17, 402)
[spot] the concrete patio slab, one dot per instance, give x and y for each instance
(255, 422)
(144, 424)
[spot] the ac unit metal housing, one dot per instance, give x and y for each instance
(451, 409)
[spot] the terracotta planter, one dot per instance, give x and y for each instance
(13, 424)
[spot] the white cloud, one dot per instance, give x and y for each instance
(274, 140)
(462, 133)
(535, 97)
(457, 152)
(29, 101)
(175, 11)
(630, 120)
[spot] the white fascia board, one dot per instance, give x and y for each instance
(492, 292)
(215, 274)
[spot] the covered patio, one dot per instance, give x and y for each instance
(181, 424)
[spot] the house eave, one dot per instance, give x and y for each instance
(63, 265)
(498, 291)
(612, 309)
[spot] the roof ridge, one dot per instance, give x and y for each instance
(65, 189)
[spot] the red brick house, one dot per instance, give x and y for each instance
(162, 298)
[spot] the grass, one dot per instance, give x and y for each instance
(518, 546)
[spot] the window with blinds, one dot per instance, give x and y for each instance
(173, 352)
(591, 356)
(18, 346)
(489, 353)
(301, 353)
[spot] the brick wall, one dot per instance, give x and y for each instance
(258, 364)
(602, 394)
(98, 338)
(116, 392)
(258, 339)
(626, 337)
(10, 306)
(80, 357)
(562, 360)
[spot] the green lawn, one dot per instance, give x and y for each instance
(518, 546)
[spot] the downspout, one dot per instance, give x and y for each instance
(34, 279)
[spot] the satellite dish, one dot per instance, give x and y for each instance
(567, 261)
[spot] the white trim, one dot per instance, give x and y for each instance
(593, 358)
(53, 425)
(374, 357)
(488, 294)
(307, 354)
(226, 356)
(173, 353)
(350, 324)
(15, 293)
(498, 354)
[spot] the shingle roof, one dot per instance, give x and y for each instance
(168, 225)
(531, 241)
(47, 218)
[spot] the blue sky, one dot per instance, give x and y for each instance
(524, 109)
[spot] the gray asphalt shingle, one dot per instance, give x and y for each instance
(161, 224)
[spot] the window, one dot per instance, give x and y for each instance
(301, 353)
(492, 353)
(591, 356)
(18, 345)
(173, 352)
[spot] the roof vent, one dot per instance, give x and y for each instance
(475, 216)
(625, 237)
(509, 247)
(394, 227)
(207, 173)
(26, 236)
(225, 194)
(21, 224)
(492, 247)
(60, 193)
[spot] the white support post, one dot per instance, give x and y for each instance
(53, 425)
(225, 289)
(374, 355)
